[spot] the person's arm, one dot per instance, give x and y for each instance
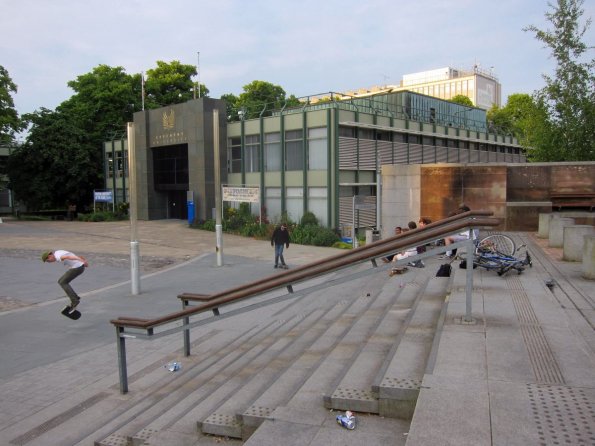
(73, 257)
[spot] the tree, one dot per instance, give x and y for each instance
(462, 99)
(260, 97)
(230, 106)
(567, 102)
(512, 118)
(9, 118)
(171, 83)
(104, 101)
(56, 165)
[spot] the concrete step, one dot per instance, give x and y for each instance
(354, 390)
(224, 420)
(202, 371)
(398, 389)
(310, 366)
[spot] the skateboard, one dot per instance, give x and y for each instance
(398, 271)
(76, 314)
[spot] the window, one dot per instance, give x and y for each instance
(317, 149)
(251, 153)
(294, 150)
(272, 151)
(347, 132)
(234, 155)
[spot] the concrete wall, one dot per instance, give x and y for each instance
(515, 193)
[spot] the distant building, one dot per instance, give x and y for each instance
(479, 85)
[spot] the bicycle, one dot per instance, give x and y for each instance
(496, 252)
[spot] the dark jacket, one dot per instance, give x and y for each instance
(280, 237)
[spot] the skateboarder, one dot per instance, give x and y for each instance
(280, 237)
(76, 266)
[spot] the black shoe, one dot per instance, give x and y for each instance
(73, 306)
(284, 266)
(275, 267)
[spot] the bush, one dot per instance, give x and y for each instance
(309, 219)
(102, 216)
(313, 235)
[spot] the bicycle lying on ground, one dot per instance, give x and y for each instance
(497, 252)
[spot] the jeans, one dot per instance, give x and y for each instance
(68, 277)
(279, 254)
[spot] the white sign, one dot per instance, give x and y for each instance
(104, 196)
(241, 194)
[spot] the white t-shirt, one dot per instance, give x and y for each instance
(69, 263)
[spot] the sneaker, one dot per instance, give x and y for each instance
(73, 307)
(284, 266)
(275, 267)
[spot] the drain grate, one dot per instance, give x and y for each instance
(563, 415)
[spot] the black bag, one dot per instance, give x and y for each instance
(463, 265)
(444, 270)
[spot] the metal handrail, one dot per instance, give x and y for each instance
(370, 252)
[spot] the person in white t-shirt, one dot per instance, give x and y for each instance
(76, 266)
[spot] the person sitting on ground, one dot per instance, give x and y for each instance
(460, 236)
(387, 259)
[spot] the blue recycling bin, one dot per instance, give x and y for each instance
(190, 205)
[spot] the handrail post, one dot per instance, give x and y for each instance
(186, 322)
(122, 360)
(469, 285)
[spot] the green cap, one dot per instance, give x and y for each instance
(45, 255)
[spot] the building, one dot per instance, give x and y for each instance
(479, 85)
(316, 157)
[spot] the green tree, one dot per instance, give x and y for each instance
(171, 83)
(567, 102)
(9, 118)
(260, 97)
(103, 101)
(462, 99)
(56, 165)
(230, 105)
(512, 118)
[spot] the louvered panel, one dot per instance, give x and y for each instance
(347, 153)
(401, 153)
(463, 155)
(367, 217)
(415, 154)
(473, 156)
(385, 152)
(367, 154)
(428, 154)
(441, 154)
(483, 156)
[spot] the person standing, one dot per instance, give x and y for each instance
(279, 240)
(76, 266)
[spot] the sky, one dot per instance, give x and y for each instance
(307, 47)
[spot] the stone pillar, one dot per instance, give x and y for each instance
(589, 257)
(544, 225)
(556, 234)
(573, 241)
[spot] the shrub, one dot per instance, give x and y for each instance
(309, 219)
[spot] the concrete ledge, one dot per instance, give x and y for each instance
(573, 241)
(556, 234)
(589, 257)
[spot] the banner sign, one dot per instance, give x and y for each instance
(104, 196)
(241, 194)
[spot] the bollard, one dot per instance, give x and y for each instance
(589, 257)
(573, 241)
(544, 225)
(556, 234)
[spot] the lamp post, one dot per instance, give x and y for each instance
(218, 226)
(134, 248)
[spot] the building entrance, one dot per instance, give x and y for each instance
(176, 204)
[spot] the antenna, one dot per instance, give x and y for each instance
(198, 71)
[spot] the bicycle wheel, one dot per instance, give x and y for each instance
(498, 242)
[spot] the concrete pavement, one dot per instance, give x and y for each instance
(477, 376)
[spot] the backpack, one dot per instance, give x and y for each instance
(444, 270)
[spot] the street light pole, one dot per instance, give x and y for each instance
(217, 165)
(134, 248)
